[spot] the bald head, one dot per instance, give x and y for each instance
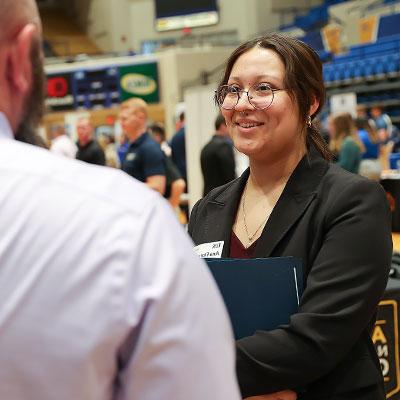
(21, 66)
(14, 14)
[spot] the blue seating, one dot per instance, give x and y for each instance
(316, 18)
(366, 62)
(369, 69)
(359, 72)
(393, 64)
(328, 73)
(348, 71)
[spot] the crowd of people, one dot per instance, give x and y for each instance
(101, 293)
(138, 152)
(362, 144)
(142, 152)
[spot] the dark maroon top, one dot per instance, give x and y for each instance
(237, 250)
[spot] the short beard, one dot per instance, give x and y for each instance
(34, 104)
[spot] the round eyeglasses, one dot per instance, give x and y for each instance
(260, 96)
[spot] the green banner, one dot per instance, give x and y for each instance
(140, 80)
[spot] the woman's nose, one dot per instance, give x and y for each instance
(243, 103)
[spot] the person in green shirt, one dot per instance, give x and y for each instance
(345, 142)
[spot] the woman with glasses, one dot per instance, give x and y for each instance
(293, 201)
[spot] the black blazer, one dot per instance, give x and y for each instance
(338, 223)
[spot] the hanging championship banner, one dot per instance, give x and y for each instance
(368, 28)
(332, 38)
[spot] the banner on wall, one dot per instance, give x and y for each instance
(59, 92)
(140, 81)
(368, 28)
(344, 103)
(85, 88)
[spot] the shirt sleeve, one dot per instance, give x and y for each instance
(348, 156)
(153, 162)
(182, 347)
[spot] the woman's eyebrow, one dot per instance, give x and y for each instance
(257, 78)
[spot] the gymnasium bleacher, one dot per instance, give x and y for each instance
(371, 69)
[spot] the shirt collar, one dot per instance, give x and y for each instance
(140, 139)
(5, 128)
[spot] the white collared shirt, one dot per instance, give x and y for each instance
(5, 128)
(101, 295)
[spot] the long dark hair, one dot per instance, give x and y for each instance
(303, 78)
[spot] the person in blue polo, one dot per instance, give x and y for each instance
(144, 160)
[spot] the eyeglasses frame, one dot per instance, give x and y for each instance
(240, 91)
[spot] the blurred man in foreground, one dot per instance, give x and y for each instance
(101, 296)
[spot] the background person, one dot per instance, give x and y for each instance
(382, 122)
(345, 142)
(101, 295)
(217, 158)
(158, 134)
(178, 147)
(89, 149)
(175, 185)
(144, 159)
(293, 202)
(107, 143)
(370, 165)
(61, 143)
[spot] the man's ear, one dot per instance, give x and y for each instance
(19, 63)
(314, 106)
(142, 116)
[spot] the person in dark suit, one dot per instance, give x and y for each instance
(89, 149)
(217, 158)
(178, 147)
(293, 201)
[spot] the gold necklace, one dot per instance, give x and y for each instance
(250, 237)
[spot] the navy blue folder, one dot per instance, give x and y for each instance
(259, 293)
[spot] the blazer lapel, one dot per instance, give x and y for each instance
(221, 213)
(299, 192)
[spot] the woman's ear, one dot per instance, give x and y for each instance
(314, 106)
(19, 61)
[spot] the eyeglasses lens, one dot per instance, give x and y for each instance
(260, 96)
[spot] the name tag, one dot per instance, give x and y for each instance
(130, 156)
(210, 250)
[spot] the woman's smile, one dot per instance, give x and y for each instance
(247, 125)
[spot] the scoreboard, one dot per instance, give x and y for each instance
(100, 85)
